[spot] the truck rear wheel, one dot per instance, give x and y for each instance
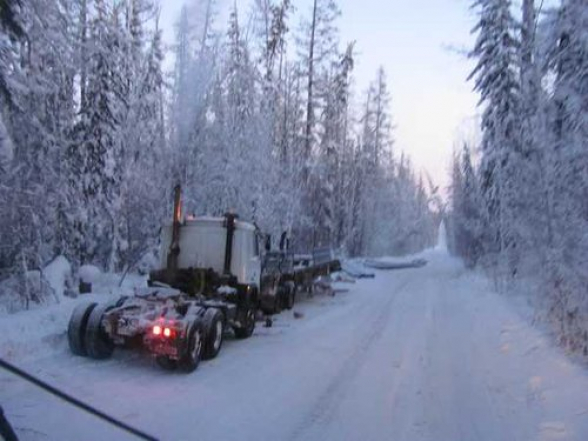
(190, 360)
(76, 329)
(98, 343)
(213, 333)
(249, 326)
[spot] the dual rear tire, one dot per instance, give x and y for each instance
(191, 358)
(98, 344)
(76, 329)
(214, 328)
(192, 354)
(85, 334)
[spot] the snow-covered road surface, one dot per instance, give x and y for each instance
(424, 354)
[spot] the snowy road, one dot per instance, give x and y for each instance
(425, 354)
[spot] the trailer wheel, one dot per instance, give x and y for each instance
(98, 344)
(166, 363)
(290, 300)
(247, 330)
(76, 329)
(189, 362)
(290, 296)
(214, 328)
(278, 301)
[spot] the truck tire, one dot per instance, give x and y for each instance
(247, 330)
(290, 297)
(191, 359)
(289, 300)
(278, 301)
(214, 327)
(76, 329)
(98, 345)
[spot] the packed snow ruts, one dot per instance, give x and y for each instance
(379, 361)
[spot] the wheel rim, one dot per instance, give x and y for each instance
(197, 346)
(219, 335)
(251, 319)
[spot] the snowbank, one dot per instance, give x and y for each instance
(41, 331)
(35, 333)
(355, 268)
(58, 274)
(147, 263)
(10, 299)
(442, 238)
(18, 292)
(389, 263)
(89, 274)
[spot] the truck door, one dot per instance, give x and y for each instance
(254, 273)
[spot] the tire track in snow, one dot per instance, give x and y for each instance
(324, 408)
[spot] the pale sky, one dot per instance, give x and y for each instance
(431, 100)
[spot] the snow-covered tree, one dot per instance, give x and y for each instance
(469, 225)
(318, 47)
(91, 142)
(497, 82)
(523, 211)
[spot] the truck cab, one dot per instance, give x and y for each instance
(203, 245)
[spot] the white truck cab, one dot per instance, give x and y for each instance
(202, 243)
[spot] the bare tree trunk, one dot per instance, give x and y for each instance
(379, 122)
(207, 24)
(82, 49)
(528, 72)
(309, 104)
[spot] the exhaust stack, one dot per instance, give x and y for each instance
(230, 221)
(174, 247)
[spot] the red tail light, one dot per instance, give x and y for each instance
(163, 331)
(170, 333)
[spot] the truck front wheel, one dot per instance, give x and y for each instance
(248, 327)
